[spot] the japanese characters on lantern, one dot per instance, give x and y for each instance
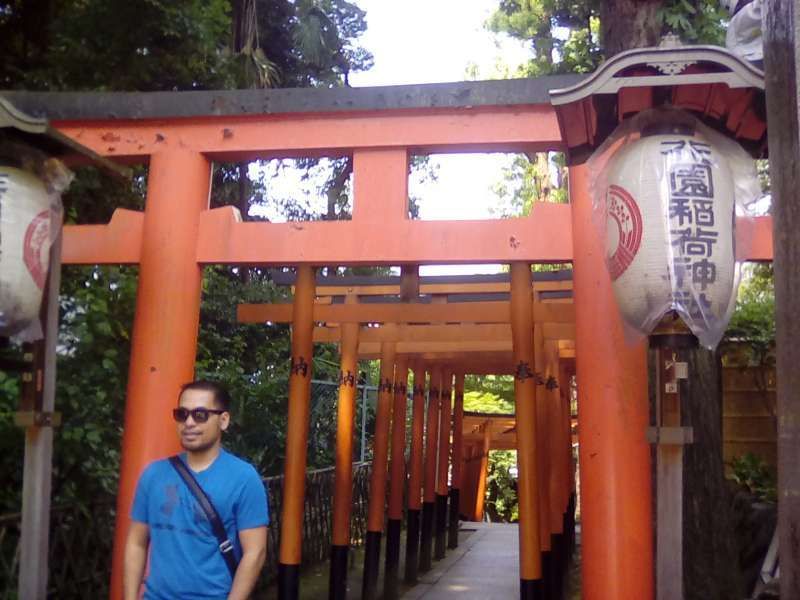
(666, 191)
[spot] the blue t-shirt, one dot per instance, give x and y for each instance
(185, 561)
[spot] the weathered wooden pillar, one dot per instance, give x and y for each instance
(431, 456)
(443, 467)
(781, 56)
(343, 483)
(457, 461)
(530, 569)
(167, 308)
(294, 477)
(397, 481)
(377, 485)
(38, 396)
(415, 475)
(617, 517)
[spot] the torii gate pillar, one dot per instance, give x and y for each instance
(613, 412)
(166, 323)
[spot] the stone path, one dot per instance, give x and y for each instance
(485, 567)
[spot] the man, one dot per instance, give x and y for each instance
(185, 558)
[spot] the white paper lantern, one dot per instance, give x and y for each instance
(670, 207)
(25, 238)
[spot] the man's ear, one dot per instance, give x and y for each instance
(224, 420)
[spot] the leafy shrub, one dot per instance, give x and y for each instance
(751, 472)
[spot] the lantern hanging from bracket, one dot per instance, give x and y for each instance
(667, 190)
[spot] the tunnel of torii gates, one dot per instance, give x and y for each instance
(181, 134)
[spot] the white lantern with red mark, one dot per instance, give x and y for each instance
(25, 238)
(670, 204)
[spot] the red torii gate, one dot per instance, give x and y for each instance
(181, 134)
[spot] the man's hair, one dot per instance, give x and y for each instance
(221, 396)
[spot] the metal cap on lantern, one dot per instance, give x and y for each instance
(669, 134)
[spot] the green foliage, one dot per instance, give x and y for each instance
(150, 44)
(702, 22)
(502, 503)
(751, 472)
(565, 35)
(177, 44)
(489, 394)
(753, 320)
(12, 441)
(562, 34)
(528, 179)
(167, 45)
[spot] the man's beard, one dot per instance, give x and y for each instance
(201, 447)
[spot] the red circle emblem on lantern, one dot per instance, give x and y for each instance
(624, 212)
(34, 247)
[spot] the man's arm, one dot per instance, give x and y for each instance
(135, 558)
(254, 552)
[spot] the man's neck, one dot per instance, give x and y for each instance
(202, 459)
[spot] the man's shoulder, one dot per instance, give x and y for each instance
(238, 465)
(157, 468)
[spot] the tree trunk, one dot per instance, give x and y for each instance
(710, 548)
(781, 55)
(627, 24)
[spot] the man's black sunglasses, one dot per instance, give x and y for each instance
(199, 415)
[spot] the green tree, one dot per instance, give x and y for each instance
(489, 394)
(753, 320)
(175, 45)
(502, 504)
(572, 36)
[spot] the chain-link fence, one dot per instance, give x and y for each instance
(322, 433)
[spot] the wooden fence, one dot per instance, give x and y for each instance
(749, 413)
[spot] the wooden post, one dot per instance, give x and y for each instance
(781, 56)
(566, 371)
(530, 569)
(466, 485)
(167, 308)
(483, 471)
(343, 484)
(377, 484)
(667, 435)
(443, 467)
(415, 476)
(556, 442)
(617, 521)
(431, 455)
(38, 463)
(294, 482)
(543, 463)
(457, 461)
(397, 482)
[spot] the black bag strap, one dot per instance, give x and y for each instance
(225, 545)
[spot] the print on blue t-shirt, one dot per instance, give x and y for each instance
(185, 561)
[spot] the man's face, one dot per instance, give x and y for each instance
(196, 437)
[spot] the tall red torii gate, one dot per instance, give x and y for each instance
(180, 134)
